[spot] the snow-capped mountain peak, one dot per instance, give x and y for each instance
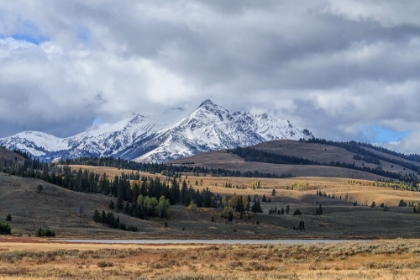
(142, 138)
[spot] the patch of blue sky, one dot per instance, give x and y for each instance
(28, 32)
(83, 34)
(98, 121)
(380, 134)
(27, 38)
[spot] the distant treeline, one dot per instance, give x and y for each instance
(166, 169)
(252, 154)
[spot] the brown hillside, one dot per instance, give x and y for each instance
(322, 153)
(224, 160)
(8, 157)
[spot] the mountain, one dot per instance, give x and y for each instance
(209, 127)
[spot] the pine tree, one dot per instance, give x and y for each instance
(127, 208)
(230, 216)
(111, 205)
(264, 199)
(287, 209)
(119, 202)
(240, 205)
(97, 217)
(256, 207)
(103, 217)
(319, 211)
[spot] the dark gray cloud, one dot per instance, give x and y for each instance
(335, 67)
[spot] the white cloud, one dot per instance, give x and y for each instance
(335, 67)
(386, 13)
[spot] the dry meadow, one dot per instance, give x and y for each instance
(381, 259)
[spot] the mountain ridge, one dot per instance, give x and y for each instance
(142, 138)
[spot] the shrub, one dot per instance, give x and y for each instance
(230, 216)
(373, 205)
(225, 212)
(105, 264)
(402, 203)
(297, 212)
(192, 206)
(44, 232)
(9, 218)
(5, 228)
(39, 188)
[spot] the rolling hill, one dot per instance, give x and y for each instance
(70, 213)
(312, 158)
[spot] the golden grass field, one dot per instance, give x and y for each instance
(22, 258)
(360, 190)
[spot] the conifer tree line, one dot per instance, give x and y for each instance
(110, 220)
(167, 170)
(35, 168)
(251, 154)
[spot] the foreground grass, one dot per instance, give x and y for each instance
(384, 259)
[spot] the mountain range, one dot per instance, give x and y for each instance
(142, 138)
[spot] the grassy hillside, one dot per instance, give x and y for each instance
(340, 219)
(67, 212)
(70, 213)
(321, 154)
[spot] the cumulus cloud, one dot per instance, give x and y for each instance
(335, 67)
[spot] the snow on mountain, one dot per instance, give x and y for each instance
(34, 142)
(209, 127)
(112, 139)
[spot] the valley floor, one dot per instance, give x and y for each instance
(25, 258)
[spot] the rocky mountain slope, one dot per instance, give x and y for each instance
(209, 127)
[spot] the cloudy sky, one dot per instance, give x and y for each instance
(343, 69)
